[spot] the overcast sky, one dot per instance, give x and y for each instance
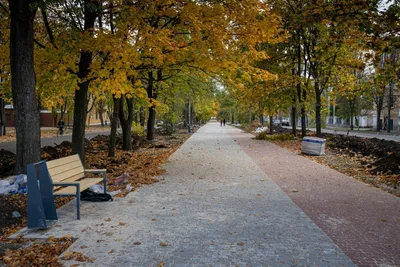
(385, 4)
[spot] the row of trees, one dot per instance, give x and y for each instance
(348, 50)
(161, 55)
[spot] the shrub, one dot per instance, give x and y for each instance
(137, 129)
(275, 137)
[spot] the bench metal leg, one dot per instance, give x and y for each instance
(78, 202)
(46, 190)
(105, 182)
(36, 212)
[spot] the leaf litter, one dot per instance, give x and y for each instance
(140, 166)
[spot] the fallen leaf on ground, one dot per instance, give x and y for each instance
(107, 220)
(78, 256)
(137, 243)
(163, 244)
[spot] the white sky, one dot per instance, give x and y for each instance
(385, 4)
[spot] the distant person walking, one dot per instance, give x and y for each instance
(60, 126)
(224, 122)
(220, 122)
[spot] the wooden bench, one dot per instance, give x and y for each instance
(60, 177)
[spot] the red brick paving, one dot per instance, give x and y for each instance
(362, 220)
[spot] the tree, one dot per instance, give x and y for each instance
(26, 108)
(91, 9)
(330, 26)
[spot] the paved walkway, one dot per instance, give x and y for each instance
(214, 207)
(50, 141)
(364, 221)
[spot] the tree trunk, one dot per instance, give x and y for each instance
(114, 127)
(390, 103)
(303, 115)
(379, 107)
(126, 122)
(294, 130)
(2, 118)
(351, 115)
(150, 123)
(23, 84)
(100, 111)
(152, 111)
(192, 120)
(142, 117)
(233, 117)
(271, 124)
(301, 94)
(185, 116)
(318, 109)
(261, 118)
(81, 95)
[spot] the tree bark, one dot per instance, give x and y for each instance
(294, 130)
(351, 115)
(2, 118)
(317, 108)
(185, 116)
(100, 111)
(126, 122)
(142, 117)
(23, 83)
(379, 108)
(303, 115)
(301, 94)
(390, 103)
(114, 127)
(152, 111)
(81, 95)
(271, 124)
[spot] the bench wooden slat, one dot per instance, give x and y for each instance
(68, 175)
(65, 168)
(62, 161)
(84, 184)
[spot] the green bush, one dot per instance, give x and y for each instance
(137, 129)
(275, 137)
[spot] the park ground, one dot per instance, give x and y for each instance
(228, 199)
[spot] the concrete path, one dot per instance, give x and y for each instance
(214, 207)
(50, 141)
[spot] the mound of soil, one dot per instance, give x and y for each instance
(386, 152)
(7, 162)
(55, 152)
(365, 146)
(389, 164)
(100, 139)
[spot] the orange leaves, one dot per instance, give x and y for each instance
(38, 254)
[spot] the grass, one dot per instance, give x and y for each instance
(275, 137)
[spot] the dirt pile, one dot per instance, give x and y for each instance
(386, 153)
(7, 162)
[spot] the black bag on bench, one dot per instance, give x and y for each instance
(89, 195)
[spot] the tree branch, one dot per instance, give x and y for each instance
(47, 26)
